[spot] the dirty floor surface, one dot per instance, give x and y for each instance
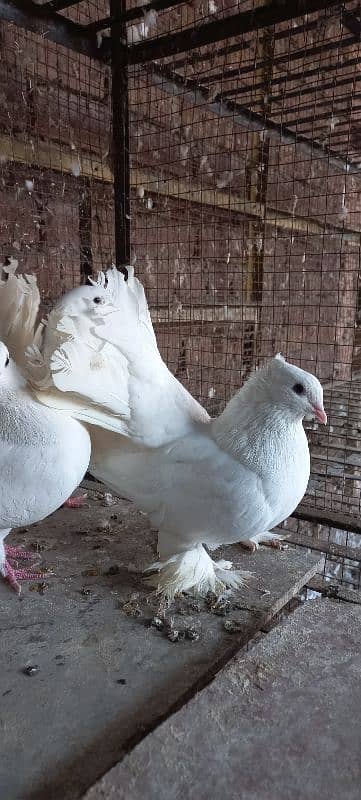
(279, 722)
(84, 674)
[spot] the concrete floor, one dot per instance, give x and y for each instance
(280, 722)
(106, 676)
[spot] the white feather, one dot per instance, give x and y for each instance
(43, 456)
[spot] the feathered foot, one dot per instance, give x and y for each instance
(13, 576)
(195, 572)
(76, 502)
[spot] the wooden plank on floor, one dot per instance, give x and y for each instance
(105, 675)
(280, 721)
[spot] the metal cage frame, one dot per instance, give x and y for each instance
(47, 20)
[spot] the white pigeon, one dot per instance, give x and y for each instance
(43, 453)
(43, 457)
(200, 481)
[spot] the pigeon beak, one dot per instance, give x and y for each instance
(320, 414)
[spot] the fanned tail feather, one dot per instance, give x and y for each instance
(19, 306)
(100, 361)
(76, 362)
(37, 370)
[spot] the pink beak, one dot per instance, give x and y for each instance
(320, 414)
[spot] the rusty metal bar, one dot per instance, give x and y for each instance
(250, 120)
(52, 26)
(215, 31)
(120, 149)
(132, 13)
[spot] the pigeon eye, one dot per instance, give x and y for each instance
(98, 300)
(298, 388)
(7, 362)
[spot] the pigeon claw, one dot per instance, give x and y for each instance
(275, 540)
(249, 545)
(13, 576)
(267, 539)
(18, 552)
(277, 544)
(76, 502)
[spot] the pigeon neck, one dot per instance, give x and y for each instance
(255, 427)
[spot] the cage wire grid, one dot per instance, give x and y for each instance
(237, 196)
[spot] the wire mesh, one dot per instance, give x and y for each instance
(56, 193)
(245, 180)
(246, 231)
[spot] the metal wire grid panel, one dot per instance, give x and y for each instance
(56, 198)
(246, 228)
(245, 197)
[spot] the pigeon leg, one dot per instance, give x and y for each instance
(274, 540)
(13, 576)
(10, 573)
(276, 544)
(249, 545)
(269, 539)
(18, 552)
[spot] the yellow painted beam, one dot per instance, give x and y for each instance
(53, 157)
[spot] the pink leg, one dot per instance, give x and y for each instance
(14, 575)
(76, 502)
(18, 552)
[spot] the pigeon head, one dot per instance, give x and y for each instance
(298, 391)
(82, 300)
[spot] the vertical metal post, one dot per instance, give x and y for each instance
(257, 192)
(85, 231)
(120, 148)
(257, 173)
